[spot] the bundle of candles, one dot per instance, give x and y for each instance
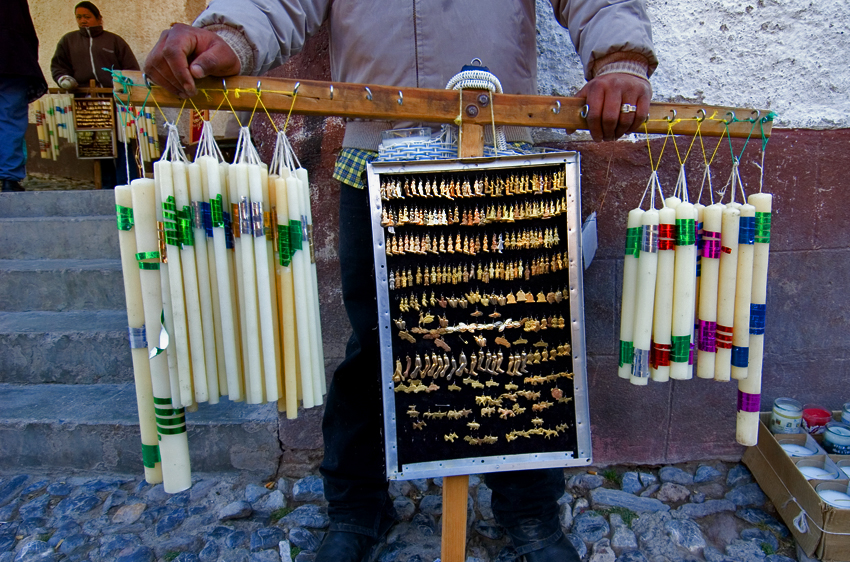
(139, 124)
(54, 119)
(222, 296)
(694, 288)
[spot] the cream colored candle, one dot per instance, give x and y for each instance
(213, 272)
(250, 312)
(196, 194)
(228, 196)
(749, 389)
(264, 286)
(627, 304)
(300, 266)
(165, 291)
(136, 323)
(647, 273)
(236, 271)
(171, 422)
(269, 196)
(709, 272)
(190, 281)
(290, 367)
(662, 321)
(743, 292)
(684, 286)
(700, 209)
(163, 173)
(222, 274)
(727, 277)
(316, 341)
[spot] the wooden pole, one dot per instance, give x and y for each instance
(456, 488)
(98, 178)
(369, 101)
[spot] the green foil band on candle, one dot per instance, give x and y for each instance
(125, 217)
(633, 241)
(169, 221)
(762, 228)
(627, 352)
(150, 455)
(185, 230)
(171, 430)
(681, 349)
(217, 212)
(294, 236)
(170, 421)
(168, 412)
(144, 263)
(162, 401)
(283, 245)
(685, 232)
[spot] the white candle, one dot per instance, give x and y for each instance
(743, 291)
(727, 278)
(236, 271)
(171, 422)
(269, 196)
(795, 450)
(190, 281)
(662, 322)
(627, 306)
(815, 473)
(163, 173)
(835, 498)
(647, 272)
(700, 209)
(290, 366)
(684, 286)
(319, 384)
(196, 193)
(250, 315)
(234, 263)
(138, 352)
(301, 293)
(218, 206)
(709, 273)
(749, 389)
(264, 286)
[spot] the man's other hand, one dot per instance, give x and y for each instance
(605, 96)
(185, 53)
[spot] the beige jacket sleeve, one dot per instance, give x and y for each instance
(609, 32)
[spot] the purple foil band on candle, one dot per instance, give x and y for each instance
(748, 402)
(707, 336)
(691, 356)
(710, 244)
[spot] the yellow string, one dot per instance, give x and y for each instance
(160, 109)
(654, 166)
(182, 107)
(276, 130)
(713, 154)
(291, 107)
(238, 122)
(253, 111)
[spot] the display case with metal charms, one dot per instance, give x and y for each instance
(480, 308)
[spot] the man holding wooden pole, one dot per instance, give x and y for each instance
(417, 44)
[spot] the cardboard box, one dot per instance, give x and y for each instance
(791, 493)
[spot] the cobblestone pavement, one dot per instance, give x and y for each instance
(45, 182)
(710, 511)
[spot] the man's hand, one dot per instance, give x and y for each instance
(605, 96)
(184, 53)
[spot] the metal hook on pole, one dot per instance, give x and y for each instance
(224, 85)
(700, 115)
(332, 91)
(400, 98)
(584, 110)
(557, 109)
(669, 118)
(368, 93)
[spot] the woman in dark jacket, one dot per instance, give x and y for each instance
(21, 82)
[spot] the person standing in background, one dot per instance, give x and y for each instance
(21, 82)
(89, 54)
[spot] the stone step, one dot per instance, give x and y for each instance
(34, 204)
(71, 347)
(58, 285)
(95, 427)
(80, 237)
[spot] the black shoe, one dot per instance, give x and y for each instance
(542, 541)
(340, 546)
(12, 185)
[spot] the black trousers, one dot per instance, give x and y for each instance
(353, 466)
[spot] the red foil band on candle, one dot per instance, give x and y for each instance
(726, 250)
(666, 237)
(660, 354)
(706, 336)
(724, 337)
(710, 244)
(748, 402)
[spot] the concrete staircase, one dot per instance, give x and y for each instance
(66, 382)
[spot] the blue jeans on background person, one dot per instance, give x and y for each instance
(13, 127)
(353, 466)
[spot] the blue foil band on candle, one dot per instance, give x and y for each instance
(206, 217)
(228, 231)
(740, 356)
(748, 402)
(757, 318)
(640, 368)
(747, 230)
(649, 238)
(138, 338)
